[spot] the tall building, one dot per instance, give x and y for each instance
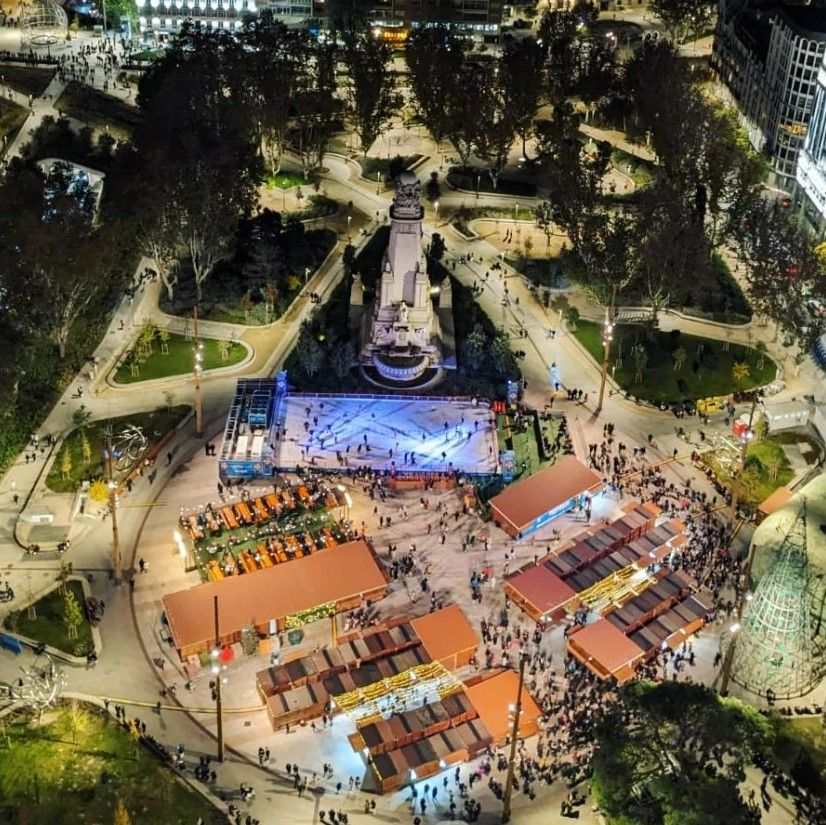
(811, 163)
(768, 55)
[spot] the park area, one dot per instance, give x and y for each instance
(102, 112)
(767, 465)
(173, 355)
(669, 367)
(46, 621)
(133, 436)
(536, 439)
(12, 117)
(800, 748)
(73, 765)
(27, 80)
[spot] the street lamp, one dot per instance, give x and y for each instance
(436, 222)
(515, 212)
(197, 368)
(218, 669)
(515, 713)
(113, 503)
(607, 338)
(306, 274)
(378, 182)
(349, 221)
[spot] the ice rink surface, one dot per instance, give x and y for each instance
(386, 433)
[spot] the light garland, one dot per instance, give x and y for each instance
(322, 611)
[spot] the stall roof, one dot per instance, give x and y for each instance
(332, 575)
(524, 502)
(775, 501)
(492, 699)
(540, 586)
(445, 633)
(606, 644)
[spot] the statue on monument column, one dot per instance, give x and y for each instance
(402, 313)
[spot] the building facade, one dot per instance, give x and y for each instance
(768, 56)
(392, 19)
(811, 165)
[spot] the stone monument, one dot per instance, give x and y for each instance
(401, 339)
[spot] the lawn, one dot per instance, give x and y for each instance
(48, 625)
(318, 206)
(471, 179)
(497, 213)
(640, 171)
(178, 359)
(76, 764)
(98, 110)
(286, 180)
(12, 117)
(707, 369)
(153, 424)
(386, 167)
(28, 80)
(540, 271)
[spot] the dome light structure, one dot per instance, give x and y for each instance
(43, 23)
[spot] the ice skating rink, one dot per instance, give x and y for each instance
(386, 433)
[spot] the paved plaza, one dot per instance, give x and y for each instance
(387, 434)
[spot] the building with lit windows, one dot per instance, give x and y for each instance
(395, 18)
(768, 56)
(811, 164)
(167, 16)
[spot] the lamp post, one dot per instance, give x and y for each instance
(436, 220)
(607, 339)
(197, 357)
(306, 274)
(517, 712)
(113, 506)
(217, 669)
(515, 212)
(378, 183)
(349, 221)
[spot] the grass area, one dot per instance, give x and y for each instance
(98, 110)
(800, 748)
(767, 465)
(473, 179)
(318, 206)
(89, 467)
(386, 167)
(286, 180)
(640, 171)
(48, 625)
(178, 359)
(146, 55)
(73, 767)
(520, 433)
(12, 118)
(497, 213)
(540, 271)
(706, 371)
(28, 80)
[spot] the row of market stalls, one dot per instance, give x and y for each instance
(274, 599)
(618, 572)
(412, 714)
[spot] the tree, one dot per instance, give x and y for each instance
(197, 142)
(434, 59)
(225, 348)
(675, 753)
(72, 614)
(683, 16)
(309, 351)
(66, 462)
(343, 359)
(474, 350)
(740, 373)
(277, 71)
(85, 447)
(121, 814)
(163, 337)
(371, 86)
(639, 354)
(99, 491)
(679, 356)
(520, 78)
(316, 107)
(544, 215)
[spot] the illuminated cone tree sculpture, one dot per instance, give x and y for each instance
(776, 653)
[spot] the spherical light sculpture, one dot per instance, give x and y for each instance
(43, 23)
